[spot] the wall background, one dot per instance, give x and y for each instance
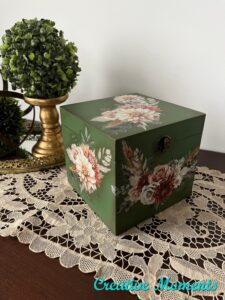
(173, 50)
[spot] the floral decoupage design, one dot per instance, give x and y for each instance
(88, 166)
(152, 186)
(132, 109)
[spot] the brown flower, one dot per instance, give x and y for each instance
(133, 160)
(165, 178)
(142, 181)
(136, 189)
(192, 156)
(128, 152)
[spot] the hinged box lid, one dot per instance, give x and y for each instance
(127, 115)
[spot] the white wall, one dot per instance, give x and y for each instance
(173, 50)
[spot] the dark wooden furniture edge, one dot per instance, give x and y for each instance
(25, 275)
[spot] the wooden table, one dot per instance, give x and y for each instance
(25, 275)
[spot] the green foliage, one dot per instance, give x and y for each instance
(38, 60)
(12, 125)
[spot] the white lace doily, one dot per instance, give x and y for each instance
(185, 242)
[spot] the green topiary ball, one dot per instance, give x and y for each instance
(38, 60)
(12, 126)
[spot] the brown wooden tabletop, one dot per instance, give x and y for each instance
(25, 275)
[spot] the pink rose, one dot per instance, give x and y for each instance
(165, 178)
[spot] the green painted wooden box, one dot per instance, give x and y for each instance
(130, 156)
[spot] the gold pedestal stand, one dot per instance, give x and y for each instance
(48, 151)
(50, 142)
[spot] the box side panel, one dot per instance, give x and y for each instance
(90, 165)
(148, 179)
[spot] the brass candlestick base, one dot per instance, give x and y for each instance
(50, 142)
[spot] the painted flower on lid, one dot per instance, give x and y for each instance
(132, 109)
(130, 99)
(152, 186)
(86, 166)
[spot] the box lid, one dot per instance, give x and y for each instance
(125, 115)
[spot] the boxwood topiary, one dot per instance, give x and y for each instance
(12, 126)
(38, 60)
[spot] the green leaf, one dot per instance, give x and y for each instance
(11, 64)
(69, 72)
(59, 58)
(28, 36)
(4, 46)
(5, 60)
(25, 58)
(31, 56)
(46, 55)
(34, 42)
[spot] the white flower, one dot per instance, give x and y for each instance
(85, 172)
(62, 189)
(86, 166)
(73, 152)
(147, 194)
(133, 109)
(136, 115)
(152, 271)
(134, 180)
(175, 222)
(179, 171)
(134, 195)
(92, 230)
(129, 99)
